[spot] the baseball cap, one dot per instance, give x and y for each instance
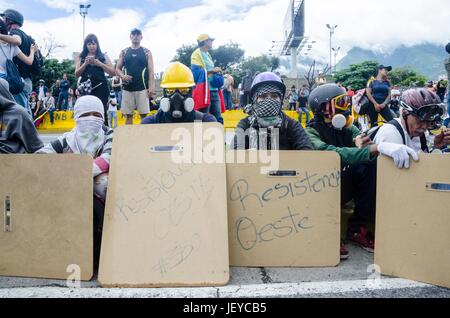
(204, 37)
(388, 68)
(136, 31)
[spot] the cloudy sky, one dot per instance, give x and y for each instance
(167, 24)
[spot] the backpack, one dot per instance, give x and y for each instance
(38, 62)
(360, 102)
(13, 77)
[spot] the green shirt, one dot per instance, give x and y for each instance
(349, 155)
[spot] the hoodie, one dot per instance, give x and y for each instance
(17, 132)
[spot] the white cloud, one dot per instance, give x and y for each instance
(381, 25)
(67, 5)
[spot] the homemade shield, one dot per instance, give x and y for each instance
(413, 220)
(166, 211)
(46, 216)
(288, 216)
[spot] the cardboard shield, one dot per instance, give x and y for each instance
(413, 220)
(288, 216)
(46, 216)
(166, 221)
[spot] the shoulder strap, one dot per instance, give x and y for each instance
(399, 127)
(424, 144)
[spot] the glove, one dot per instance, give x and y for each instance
(400, 153)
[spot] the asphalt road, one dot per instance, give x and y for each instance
(351, 279)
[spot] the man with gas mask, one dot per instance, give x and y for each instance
(90, 136)
(267, 127)
(177, 105)
(332, 129)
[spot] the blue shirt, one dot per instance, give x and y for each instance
(64, 86)
(380, 90)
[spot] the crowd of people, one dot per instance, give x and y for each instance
(202, 93)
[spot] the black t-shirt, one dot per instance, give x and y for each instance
(135, 63)
(24, 69)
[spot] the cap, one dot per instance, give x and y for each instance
(204, 37)
(388, 68)
(136, 31)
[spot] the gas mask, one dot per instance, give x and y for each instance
(177, 104)
(342, 120)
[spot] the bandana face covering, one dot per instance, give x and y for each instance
(266, 113)
(88, 135)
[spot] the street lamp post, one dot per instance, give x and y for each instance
(83, 12)
(336, 52)
(332, 29)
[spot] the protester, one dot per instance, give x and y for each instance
(91, 137)
(441, 89)
(48, 105)
(17, 132)
(321, 80)
(41, 92)
(246, 87)
(138, 77)
(303, 105)
(9, 52)
(208, 79)
(91, 66)
(228, 88)
(430, 87)
(17, 37)
(64, 93)
(267, 127)
(177, 105)
(332, 129)
(112, 113)
(293, 98)
(241, 96)
(117, 88)
(379, 94)
(56, 89)
(422, 111)
(33, 103)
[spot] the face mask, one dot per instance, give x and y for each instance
(268, 107)
(176, 105)
(91, 125)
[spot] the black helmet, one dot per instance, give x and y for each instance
(322, 94)
(14, 16)
(447, 48)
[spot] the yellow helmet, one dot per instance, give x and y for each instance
(177, 76)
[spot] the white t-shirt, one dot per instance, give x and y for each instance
(11, 51)
(390, 133)
(41, 95)
(112, 108)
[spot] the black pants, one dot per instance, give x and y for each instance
(373, 114)
(359, 183)
(292, 106)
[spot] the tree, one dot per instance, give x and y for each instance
(50, 46)
(228, 55)
(224, 56)
(53, 70)
(255, 65)
(357, 75)
(407, 77)
(184, 54)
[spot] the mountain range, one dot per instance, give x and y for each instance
(427, 59)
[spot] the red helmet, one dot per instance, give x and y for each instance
(424, 104)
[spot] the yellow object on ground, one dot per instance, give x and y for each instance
(64, 121)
